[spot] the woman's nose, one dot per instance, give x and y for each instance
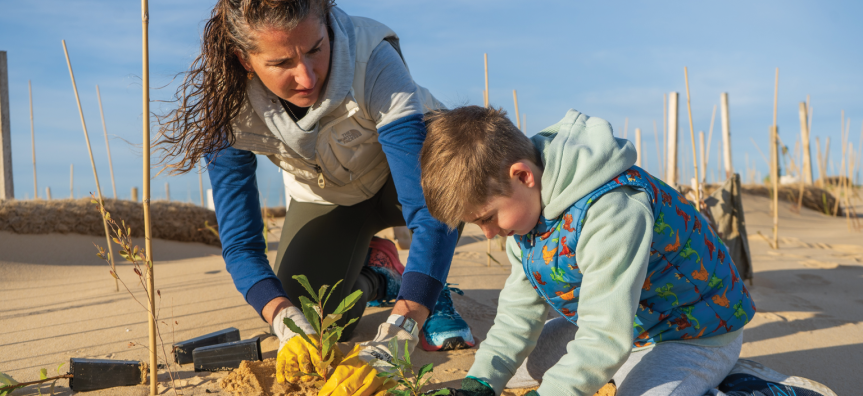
(305, 75)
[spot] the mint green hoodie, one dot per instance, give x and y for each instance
(580, 154)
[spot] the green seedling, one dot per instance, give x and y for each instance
(403, 373)
(8, 384)
(328, 333)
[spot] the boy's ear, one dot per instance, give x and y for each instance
(522, 172)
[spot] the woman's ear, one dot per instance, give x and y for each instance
(243, 60)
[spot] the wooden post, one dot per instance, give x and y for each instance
(167, 192)
(626, 128)
(48, 193)
(703, 157)
(726, 135)
(93, 164)
(148, 245)
(134, 197)
(774, 163)
(819, 159)
(488, 241)
(517, 119)
(201, 185)
(71, 181)
(826, 157)
(33, 140)
(671, 171)
(107, 145)
(485, 95)
(692, 137)
(804, 139)
(638, 147)
(7, 187)
(658, 154)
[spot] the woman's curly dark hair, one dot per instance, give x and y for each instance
(214, 88)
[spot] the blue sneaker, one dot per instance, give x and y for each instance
(444, 329)
(749, 378)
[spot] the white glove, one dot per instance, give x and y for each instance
(378, 348)
(283, 332)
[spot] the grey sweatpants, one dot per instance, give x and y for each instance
(669, 368)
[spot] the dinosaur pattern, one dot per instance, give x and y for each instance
(690, 289)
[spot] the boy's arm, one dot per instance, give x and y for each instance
(521, 313)
(613, 253)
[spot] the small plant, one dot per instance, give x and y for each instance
(328, 333)
(8, 384)
(403, 373)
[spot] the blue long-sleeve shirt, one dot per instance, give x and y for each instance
(235, 194)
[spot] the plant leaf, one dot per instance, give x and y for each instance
(7, 380)
(348, 302)
(399, 392)
(407, 355)
(331, 292)
(296, 329)
(350, 321)
(305, 282)
(321, 292)
(425, 370)
(311, 313)
(330, 339)
(58, 367)
(330, 320)
(394, 347)
(43, 373)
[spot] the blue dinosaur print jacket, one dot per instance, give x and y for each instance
(692, 288)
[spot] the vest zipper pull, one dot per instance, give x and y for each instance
(322, 183)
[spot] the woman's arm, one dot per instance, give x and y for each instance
(391, 99)
(238, 212)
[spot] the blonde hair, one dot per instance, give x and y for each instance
(466, 157)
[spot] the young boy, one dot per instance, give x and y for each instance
(658, 304)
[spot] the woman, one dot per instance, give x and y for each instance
(328, 98)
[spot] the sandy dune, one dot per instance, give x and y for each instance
(58, 301)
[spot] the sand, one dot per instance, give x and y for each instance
(58, 301)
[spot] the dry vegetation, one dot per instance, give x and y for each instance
(173, 221)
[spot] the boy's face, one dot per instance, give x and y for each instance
(517, 213)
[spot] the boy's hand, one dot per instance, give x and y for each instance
(472, 387)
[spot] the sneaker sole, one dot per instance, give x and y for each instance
(745, 366)
(449, 344)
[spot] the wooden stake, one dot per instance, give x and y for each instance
(485, 59)
(201, 185)
(726, 135)
(658, 154)
(774, 170)
(664, 136)
(48, 193)
(7, 187)
(167, 192)
(826, 157)
(33, 141)
(703, 157)
(671, 171)
(92, 163)
(148, 245)
(804, 140)
(107, 145)
(820, 159)
(134, 193)
(517, 119)
(638, 150)
(625, 127)
(692, 136)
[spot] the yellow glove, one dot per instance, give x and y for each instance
(354, 377)
(298, 356)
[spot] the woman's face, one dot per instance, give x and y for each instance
(294, 63)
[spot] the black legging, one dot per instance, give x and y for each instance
(327, 243)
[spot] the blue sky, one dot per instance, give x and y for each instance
(612, 60)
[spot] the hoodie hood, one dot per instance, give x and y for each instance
(579, 154)
(301, 136)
